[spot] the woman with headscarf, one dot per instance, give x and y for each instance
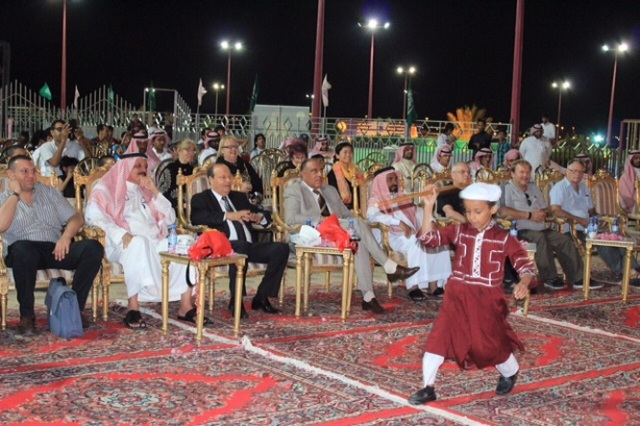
(441, 159)
(345, 173)
(628, 181)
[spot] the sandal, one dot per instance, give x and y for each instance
(192, 317)
(133, 320)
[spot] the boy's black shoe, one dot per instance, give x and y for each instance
(505, 384)
(427, 394)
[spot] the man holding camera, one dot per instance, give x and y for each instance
(47, 157)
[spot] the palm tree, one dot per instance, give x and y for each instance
(464, 120)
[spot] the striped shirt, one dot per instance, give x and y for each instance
(42, 221)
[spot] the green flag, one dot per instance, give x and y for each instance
(45, 92)
(152, 98)
(411, 107)
(254, 94)
(110, 95)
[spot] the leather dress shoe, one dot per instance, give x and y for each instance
(402, 273)
(505, 384)
(417, 295)
(263, 305)
(427, 394)
(87, 321)
(243, 313)
(373, 306)
(27, 326)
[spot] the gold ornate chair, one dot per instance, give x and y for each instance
(188, 186)
(326, 263)
(43, 276)
(264, 164)
(605, 193)
(421, 174)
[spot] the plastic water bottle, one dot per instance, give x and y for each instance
(514, 228)
(592, 229)
(352, 231)
(308, 222)
(172, 239)
(615, 228)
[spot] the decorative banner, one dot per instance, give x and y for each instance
(254, 94)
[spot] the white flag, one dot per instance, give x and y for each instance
(325, 91)
(201, 92)
(76, 97)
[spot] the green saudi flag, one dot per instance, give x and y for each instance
(45, 92)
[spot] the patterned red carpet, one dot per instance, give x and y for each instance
(581, 366)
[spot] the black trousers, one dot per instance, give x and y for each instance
(275, 255)
(26, 257)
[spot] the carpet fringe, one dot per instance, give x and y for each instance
(576, 327)
(249, 347)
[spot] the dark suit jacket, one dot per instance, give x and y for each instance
(206, 210)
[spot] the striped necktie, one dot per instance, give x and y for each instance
(239, 228)
(324, 210)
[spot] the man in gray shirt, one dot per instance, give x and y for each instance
(38, 225)
(522, 201)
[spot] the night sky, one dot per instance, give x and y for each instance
(463, 51)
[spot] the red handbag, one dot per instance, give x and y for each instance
(331, 231)
(210, 244)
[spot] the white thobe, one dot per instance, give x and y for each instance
(433, 266)
(140, 260)
(405, 168)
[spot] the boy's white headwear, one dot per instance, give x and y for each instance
(482, 192)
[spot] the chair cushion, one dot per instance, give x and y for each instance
(43, 276)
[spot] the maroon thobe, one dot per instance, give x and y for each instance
(472, 325)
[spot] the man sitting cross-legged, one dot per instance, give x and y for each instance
(231, 212)
(404, 220)
(310, 199)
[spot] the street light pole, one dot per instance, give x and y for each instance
(623, 47)
(407, 73)
(216, 88)
(560, 86)
(227, 46)
(63, 82)
(373, 26)
(310, 98)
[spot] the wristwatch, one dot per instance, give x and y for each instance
(17, 194)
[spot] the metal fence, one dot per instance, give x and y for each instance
(23, 109)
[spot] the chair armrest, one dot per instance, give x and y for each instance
(384, 231)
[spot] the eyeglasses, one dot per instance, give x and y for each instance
(528, 199)
(59, 129)
(445, 154)
(578, 172)
(462, 172)
(231, 146)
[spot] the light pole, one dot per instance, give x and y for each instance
(159, 89)
(373, 26)
(216, 88)
(561, 86)
(310, 98)
(621, 48)
(63, 81)
(229, 47)
(407, 73)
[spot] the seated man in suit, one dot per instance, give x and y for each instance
(231, 212)
(311, 199)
